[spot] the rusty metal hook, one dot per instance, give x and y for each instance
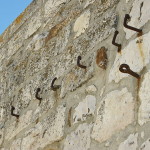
(124, 68)
(12, 112)
(127, 17)
(114, 43)
(36, 95)
(78, 63)
(54, 87)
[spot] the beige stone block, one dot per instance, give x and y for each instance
(79, 139)
(91, 89)
(85, 109)
(144, 109)
(82, 23)
(15, 127)
(46, 132)
(1, 135)
(77, 76)
(33, 25)
(16, 145)
(130, 143)
(52, 7)
(115, 113)
(145, 145)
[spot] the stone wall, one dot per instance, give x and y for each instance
(92, 108)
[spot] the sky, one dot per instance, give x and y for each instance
(10, 10)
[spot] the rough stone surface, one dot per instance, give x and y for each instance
(85, 108)
(145, 145)
(91, 89)
(136, 54)
(81, 23)
(97, 108)
(79, 139)
(118, 104)
(144, 109)
(46, 132)
(130, 143)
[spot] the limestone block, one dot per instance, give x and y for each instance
(16, 75)
(15, 127)
(88, 2)
(82, 23)
(52, 7)
(91, 89)
(37, 62)
(45, 132)
(77, 76)
(115, 113)
(127, 1)
(130, 143)
(24, 96)
(59, 45)
(1, 135)
(103, 25)
(144, 109)
(79, 139)
(16, 145)
(15, 42)
(85, 108)
(136, 54)
(139, 16)
(145, 145)
(37, 42)
(33, 25)
(142, 134)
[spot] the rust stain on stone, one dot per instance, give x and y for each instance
(1, 39)
(54, 31)
(57, 28)
(140, 46)
(101, 58)
(19, 18)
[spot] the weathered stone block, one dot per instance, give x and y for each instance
(82, 23)
(15, 127)
(145, 145)
(85, 109)
(79, 139)
(77, 76)
(116, 112)
(130, 143)
(144, 109)
(46, 132)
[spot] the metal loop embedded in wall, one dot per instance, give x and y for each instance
(36, 95)
(54, 87)
(78, 63)
(124, 68)
(12, 112)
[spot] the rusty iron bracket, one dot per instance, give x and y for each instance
(12, 112)
(54, 87)
(114, 43)
(127, 17)
(78, 63)
(124, 68)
